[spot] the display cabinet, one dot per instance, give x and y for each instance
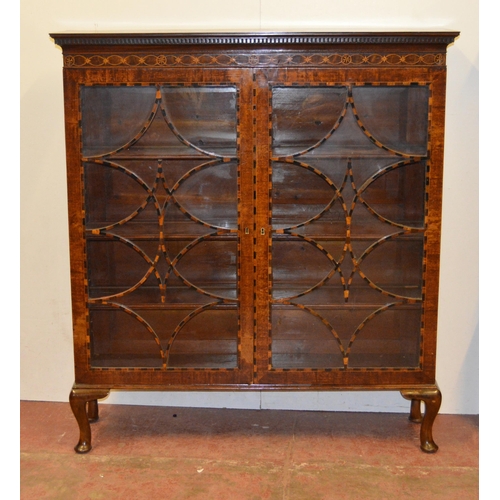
(255, 212)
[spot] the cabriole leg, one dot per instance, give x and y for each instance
(415, 412)
(93, 410)
(80, 399)
(431, 396)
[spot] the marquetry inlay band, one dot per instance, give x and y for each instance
(251, 60)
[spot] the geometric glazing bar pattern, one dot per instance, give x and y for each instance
(348, 246)
(161, 193)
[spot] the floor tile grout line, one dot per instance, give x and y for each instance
(287, 472)
(47, 455)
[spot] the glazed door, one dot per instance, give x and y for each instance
(343, 229)
(168, 273)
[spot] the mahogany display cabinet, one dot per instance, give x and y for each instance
(255, 212)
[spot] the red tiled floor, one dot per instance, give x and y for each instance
(142, 452)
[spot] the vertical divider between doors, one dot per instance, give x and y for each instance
(245, 227)
(262, 255)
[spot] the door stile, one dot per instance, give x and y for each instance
(262, 229)
(246, 225)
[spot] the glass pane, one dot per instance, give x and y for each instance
(397, 193)
(160, 338)
(195, 346)
(190, 112)
(395, 116)
(298, 186)
(348, 219)
(122, 339)
(298, 266)
(113, 116)
(302, 340)
(210, 266)
(390, 338)
(161, 212)
(304, 116)
(210, 194)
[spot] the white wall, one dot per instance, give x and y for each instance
(46, 344)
